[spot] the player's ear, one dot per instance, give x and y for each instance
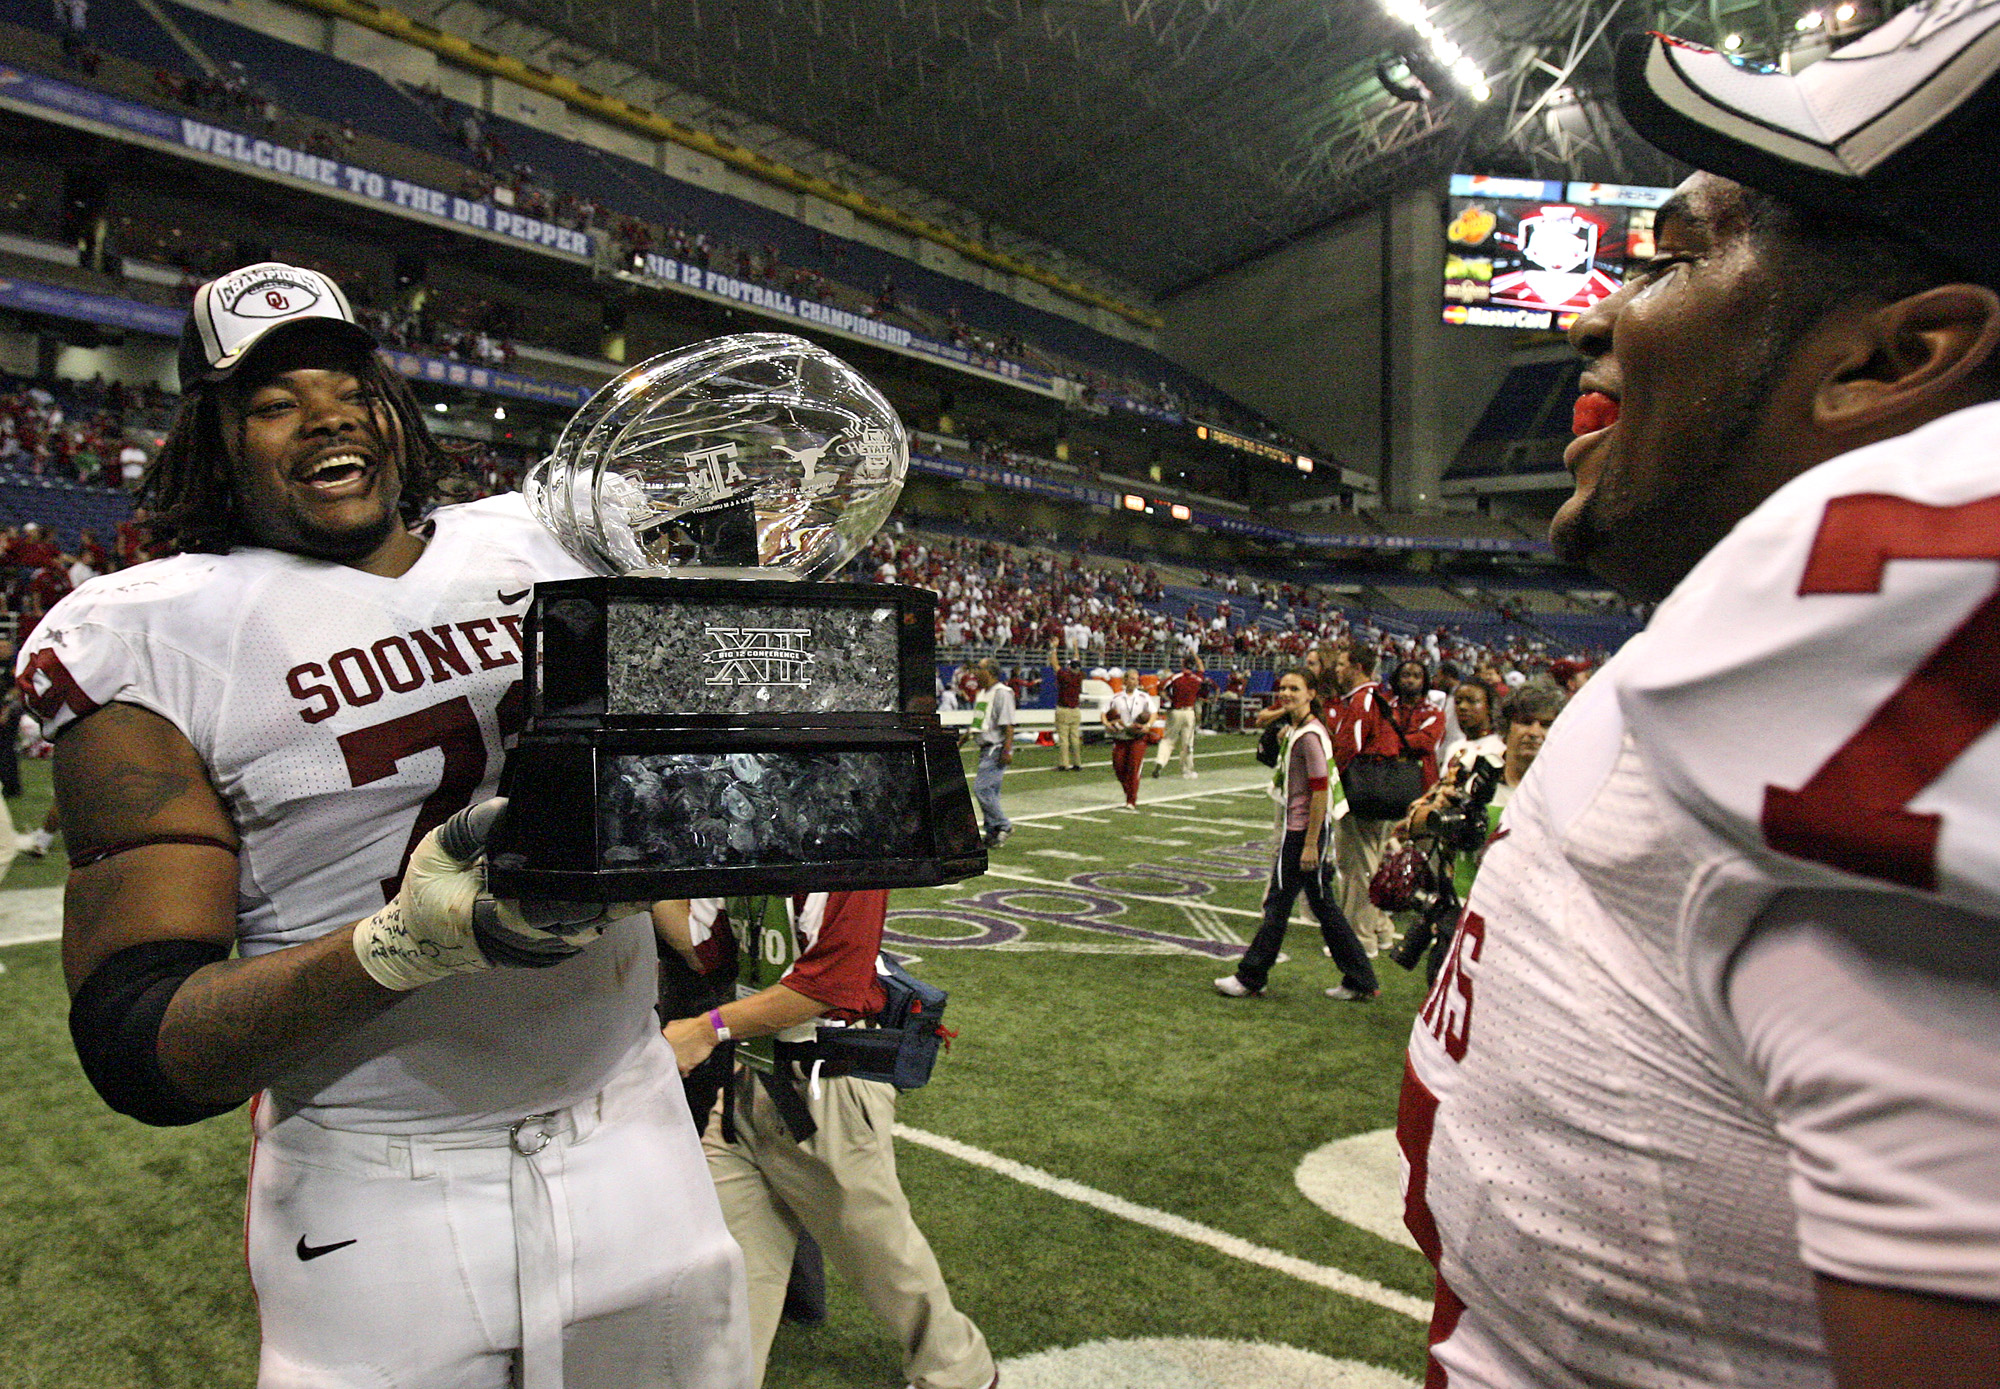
(1918, 356)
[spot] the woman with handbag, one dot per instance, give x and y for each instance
(1303, 786)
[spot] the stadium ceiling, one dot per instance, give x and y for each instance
(1165, 141)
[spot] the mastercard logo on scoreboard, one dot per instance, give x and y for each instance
(1454, 313)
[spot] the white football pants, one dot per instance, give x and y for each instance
(587, 1245)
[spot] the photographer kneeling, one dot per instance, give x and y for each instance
(1457, 816)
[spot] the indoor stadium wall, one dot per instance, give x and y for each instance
(1297, 335)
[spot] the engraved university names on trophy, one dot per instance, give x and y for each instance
(698, 721)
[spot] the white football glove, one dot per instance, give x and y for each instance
(442, 922)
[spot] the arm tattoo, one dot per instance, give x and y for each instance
(139, 792)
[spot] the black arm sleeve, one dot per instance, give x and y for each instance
(115, 1022)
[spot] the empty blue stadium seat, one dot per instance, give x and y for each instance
(116, 26)
(315, 84)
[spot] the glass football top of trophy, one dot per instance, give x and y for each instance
(761, 451)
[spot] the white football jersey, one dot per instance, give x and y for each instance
(1623, 1181)
(342, 715)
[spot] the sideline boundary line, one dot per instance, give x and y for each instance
(1336, 1280)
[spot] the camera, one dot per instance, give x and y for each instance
(1460, 826)
(1439, 914)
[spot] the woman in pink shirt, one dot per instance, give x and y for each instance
(1304, 788)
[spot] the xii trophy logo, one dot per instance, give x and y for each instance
(759, 656)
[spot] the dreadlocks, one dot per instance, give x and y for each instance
(191, 488)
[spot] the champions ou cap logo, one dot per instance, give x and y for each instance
(271, 294)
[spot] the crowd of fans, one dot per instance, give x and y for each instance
(84, 440)
(995, 597)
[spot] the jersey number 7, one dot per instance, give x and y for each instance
(1853, 814)
(452, 727)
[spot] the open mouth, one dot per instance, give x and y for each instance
(335, 473)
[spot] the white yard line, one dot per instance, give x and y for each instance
(1304, 1270)
(1220, 826)
(30, 914)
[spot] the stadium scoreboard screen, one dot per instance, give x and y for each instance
(1535, 253)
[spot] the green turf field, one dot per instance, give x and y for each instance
(1092, 1049)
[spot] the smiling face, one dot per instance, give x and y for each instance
(1698, 396)
(1294, 695)
(316, 458)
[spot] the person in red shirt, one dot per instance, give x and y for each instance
(801, 1144)
(1398, 721)
(1069, 713)
(1182, 694)
(1411, 713)
(32, 549)
(135, 538)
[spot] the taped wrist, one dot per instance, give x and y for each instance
(115, 1018)
(401, 951)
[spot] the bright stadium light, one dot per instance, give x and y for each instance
(1811, 19)
(440, 407)
(1449, 53)
(1844, 13)
(1732, 42)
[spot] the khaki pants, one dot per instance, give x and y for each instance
(1069, 737)
(1357, 853)
(841, 1186)
(1180, 734)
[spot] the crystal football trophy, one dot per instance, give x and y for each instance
(698, 721)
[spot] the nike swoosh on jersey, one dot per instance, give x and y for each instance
(308, 1252)
(513, 597)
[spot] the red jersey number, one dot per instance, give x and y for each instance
(1447, 1013)
(1853, 814)
(453, 728)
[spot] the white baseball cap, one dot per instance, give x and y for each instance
(1898, 126)
(234, 313)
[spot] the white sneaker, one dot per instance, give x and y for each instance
(1347, 995)
(35, 844)
(1191, 775)
(1232, 987)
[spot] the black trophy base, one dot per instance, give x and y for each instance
(638, 816)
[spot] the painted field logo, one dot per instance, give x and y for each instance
(759, 656)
